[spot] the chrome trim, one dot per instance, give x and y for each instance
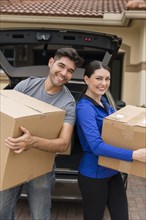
(70, 198)
(65, 171)
(66, 180)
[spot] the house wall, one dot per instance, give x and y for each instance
(133, 45)
(3, 80)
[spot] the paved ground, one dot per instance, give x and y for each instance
(137, 198)
(136, 193)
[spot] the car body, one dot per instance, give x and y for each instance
(27, 51)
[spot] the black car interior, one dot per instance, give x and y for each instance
(87, 43)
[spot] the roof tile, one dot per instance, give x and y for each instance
(76, 8)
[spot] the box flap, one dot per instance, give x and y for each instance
(131, 114)
(15, 109)
(29, 103)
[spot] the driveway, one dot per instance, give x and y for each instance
(136, 193)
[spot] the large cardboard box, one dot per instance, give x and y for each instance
(41, 119)
(125, 128)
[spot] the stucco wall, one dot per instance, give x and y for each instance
(3, 80)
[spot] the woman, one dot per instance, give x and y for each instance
(100, 186)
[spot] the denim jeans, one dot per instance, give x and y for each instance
(39, 198)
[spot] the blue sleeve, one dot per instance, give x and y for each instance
(90, 136)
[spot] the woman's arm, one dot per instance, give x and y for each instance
(91, 140)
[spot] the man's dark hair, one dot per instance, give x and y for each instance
(71, 53)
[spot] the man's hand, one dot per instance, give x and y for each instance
(27, 141)
(21, 143)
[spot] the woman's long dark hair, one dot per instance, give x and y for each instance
(95, 65)
(90, 69)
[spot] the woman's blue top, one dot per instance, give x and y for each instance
(89, 121)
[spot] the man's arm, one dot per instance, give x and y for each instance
(27, 141)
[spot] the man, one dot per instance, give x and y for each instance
(53, 91)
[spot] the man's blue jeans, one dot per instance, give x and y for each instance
(39, 198)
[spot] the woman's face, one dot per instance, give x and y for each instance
(98, 83)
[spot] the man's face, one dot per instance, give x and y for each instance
(61, 70)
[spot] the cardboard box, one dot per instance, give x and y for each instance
(41, 119)
(126, 129)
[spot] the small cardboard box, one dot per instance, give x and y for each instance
(125, 128)
(41, 119)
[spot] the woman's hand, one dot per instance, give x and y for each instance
(139, 155)
(21, 143)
